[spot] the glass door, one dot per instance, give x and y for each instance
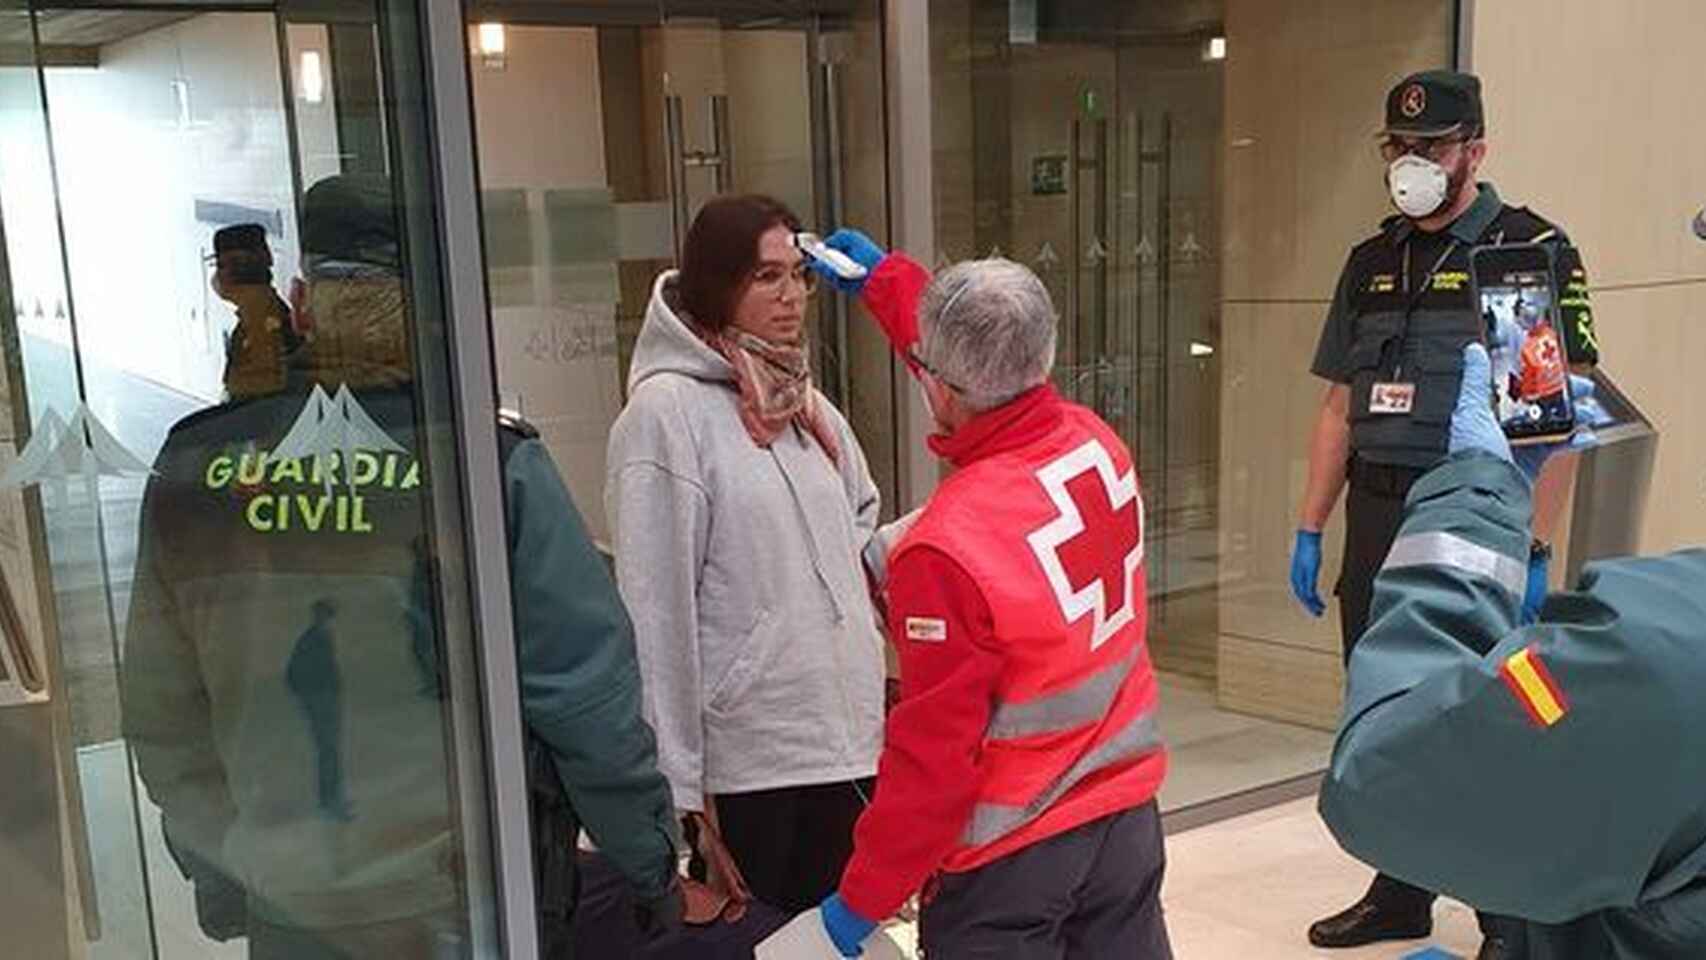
(657, 107)
(235, 682)
(1088, 141)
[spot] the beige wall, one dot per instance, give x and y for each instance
(1594, 119)
(1304, 88)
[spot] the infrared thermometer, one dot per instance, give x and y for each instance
(839, 263)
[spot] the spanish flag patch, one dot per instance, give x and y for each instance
(1534, 686)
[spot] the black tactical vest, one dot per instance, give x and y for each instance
(1413, 317)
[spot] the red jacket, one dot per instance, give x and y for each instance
(1543, 371)
(1017, 604)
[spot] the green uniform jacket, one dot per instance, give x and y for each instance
(281, 682)
(1582, 809)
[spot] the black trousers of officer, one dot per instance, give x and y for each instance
(1374, 510)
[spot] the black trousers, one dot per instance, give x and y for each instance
(1374, 510)
(1086, 894)
(792, 844)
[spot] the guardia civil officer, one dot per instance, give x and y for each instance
(281, 680)
(261, 348)
(1549, 771)
(1391, 351)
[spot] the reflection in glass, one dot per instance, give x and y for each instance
(217, 520)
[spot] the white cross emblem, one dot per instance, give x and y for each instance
(1047, 541)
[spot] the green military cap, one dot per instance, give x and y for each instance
(1435, 103)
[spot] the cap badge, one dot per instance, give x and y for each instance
(1413, 101)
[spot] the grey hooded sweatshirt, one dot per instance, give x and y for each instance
(760, 652)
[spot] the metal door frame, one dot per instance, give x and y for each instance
(474, 387)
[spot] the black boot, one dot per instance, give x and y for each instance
(1391, 910)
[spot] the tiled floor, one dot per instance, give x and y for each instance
(1216, 753)
(1246, 889)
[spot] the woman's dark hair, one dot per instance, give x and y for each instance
(722, 251)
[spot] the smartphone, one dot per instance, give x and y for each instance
(1517, 293)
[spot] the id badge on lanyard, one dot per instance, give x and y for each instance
(1392, 398)
(1397, 397)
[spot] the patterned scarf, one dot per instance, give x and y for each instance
(775, 383)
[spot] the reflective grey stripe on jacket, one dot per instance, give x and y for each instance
(1084, 702)
(1437, 548)
(992, 821)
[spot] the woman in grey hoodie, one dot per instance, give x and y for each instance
(740, 503)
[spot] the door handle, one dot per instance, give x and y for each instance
(719, 159)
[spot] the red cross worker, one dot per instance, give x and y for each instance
(1024, 756)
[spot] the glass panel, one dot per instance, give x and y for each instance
(41, 917)
(1093, 143)
(656, 109)
(580, 216)
(223, 386)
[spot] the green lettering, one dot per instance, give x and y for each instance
(412, 479)
(390, 471)
(219, 472)
(283, 513)
(313, 510)
(287, 470)
(366, 468)
(256, 521)
(359, 522)
(252, 469)
(327, 464)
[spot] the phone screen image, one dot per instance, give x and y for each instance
(1531, 372)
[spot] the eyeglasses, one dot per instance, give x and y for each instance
(1432, 148)
(918, 361)
(773, 279)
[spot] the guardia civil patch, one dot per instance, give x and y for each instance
(1534, 687)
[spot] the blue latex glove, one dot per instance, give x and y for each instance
(846, 928)
(1539, 566)
(1475, 427)
(860, 248)
(1306, 570)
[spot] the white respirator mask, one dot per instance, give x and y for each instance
(1418, 185)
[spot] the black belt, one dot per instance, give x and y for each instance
(1383, 479)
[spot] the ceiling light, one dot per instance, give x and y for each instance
(492, 44)
(312, 77)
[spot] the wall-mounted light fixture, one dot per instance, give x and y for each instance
(311, 79)
(492, 45)
(1214, 49)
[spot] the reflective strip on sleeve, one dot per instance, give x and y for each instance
(1083, 703)
(1441, 549)
(992, 821)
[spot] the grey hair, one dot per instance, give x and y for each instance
(987, 329)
